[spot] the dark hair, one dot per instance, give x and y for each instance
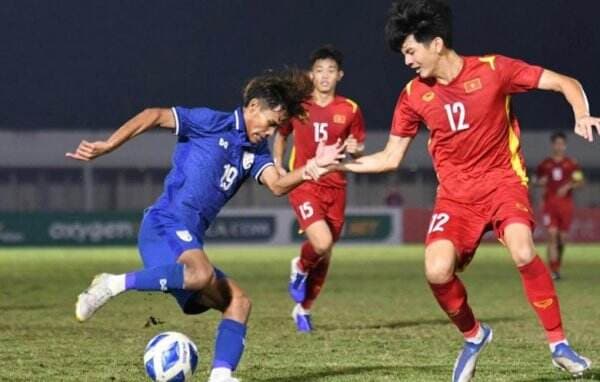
(327, 51)
(424, 19)
(288, 88)
(558, 135)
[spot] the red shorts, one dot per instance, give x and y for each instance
(313, 202)
(465, 223)
(558, 214)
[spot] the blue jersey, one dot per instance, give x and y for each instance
(212, 158)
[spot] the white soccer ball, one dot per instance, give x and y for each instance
(170, 357)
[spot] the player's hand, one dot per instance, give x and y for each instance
(87, 151)
(352, 146)
(330, 154)
(584, 127)
(312, 171)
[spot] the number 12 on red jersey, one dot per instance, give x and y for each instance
(457, 109)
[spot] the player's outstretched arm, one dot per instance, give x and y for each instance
(575, 95)
(386, 160)
(142, 122)
(279, 145)
(327, 156)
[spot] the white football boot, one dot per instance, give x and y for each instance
(93, 298)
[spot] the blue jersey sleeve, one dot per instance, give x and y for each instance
(262, 160)
(194, 122)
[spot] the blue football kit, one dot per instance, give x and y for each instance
(211, 160)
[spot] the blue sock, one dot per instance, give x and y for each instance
(229, 345)
(163, 278)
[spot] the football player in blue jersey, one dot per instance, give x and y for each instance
(215, 153)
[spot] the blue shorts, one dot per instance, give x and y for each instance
(161, 240)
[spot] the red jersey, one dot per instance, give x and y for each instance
(558, 173)
(340, 118)
(474, 137)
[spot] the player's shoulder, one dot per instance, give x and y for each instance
(346, 103)
(203, 113)
(418, 91)
(493, 62)
(546, 162)
(219, 115)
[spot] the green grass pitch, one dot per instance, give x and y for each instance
(375, 321)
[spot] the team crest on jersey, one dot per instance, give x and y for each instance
(473, 85)
(339, 118)
(428, 97)
(184, 235)
(247, 160)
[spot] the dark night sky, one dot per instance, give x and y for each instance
(92, 64)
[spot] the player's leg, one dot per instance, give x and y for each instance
(313, 250)
(453, 236)
(312, 267)
(449, 291)
(191, 271)
(226, 296)
(310, 212)
(553, 221)
(562, 243)
(173, 260)
(537, 282)
(514, 222)
(566, 219)
(320, 243)
(451, 295)
(322, 240)
(205, 287)
(541, 294)
(554, 251)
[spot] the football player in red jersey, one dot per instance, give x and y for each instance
(559, 175)
(319, 205)
(474, 141)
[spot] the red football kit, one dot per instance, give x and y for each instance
(324, 199)
(474, 143)
(558, 210)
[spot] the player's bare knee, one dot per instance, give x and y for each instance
(323, 248)
(440, 262)
(242, 303)
(522, 254)
(239, 307)
(198, 278)
(439, 274)
(438, 270)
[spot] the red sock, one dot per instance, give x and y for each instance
(452, 298)
(541, 294)
(308, 257)
(316, 279)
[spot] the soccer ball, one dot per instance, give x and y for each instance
(170, 357)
